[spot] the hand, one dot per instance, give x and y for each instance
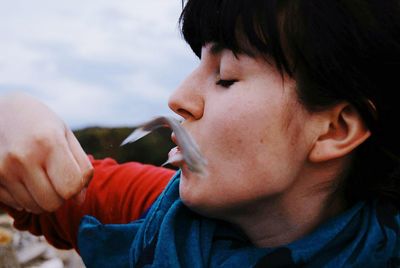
(41, 162)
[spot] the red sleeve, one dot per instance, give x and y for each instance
(117, 193)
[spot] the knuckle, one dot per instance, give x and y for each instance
(42, 140)
(17, 158)
(73, 185)
(70, 190)
(46, 137)
(12, 160)
(13, 157)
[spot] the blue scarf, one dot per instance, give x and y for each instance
(171, 235)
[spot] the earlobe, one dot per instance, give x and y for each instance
(342, 130)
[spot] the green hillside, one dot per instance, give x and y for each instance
(105, 142)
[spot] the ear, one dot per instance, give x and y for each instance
(340, 131)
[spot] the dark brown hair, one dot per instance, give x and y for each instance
(336, 51)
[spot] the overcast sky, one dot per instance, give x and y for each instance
(95, 62)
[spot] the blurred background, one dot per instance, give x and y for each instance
(103, 66)
(95, 62)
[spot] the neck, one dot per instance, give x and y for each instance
(290, 216)
(286, 224)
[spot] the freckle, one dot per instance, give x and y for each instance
(262, 141)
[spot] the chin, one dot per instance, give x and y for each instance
(191, 198)
(198, 201)
(186, 193)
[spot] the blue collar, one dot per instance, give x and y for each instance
(171, 235)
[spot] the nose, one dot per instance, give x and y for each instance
(188, 99)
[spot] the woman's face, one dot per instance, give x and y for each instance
(249, 126)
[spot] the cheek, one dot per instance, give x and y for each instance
(238, 136)
(247, 152)
(231, 137)
(250, 156)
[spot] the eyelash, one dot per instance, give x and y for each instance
(225, 83)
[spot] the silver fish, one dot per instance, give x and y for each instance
(189, 149)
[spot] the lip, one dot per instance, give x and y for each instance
(188, 155)
(175, 156)
(173, 138)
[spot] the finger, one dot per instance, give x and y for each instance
(83, 162)
(64, 171)
(7, 199)
(80, 156)
(80, 197)
(21, 195)
(12, 184)
(41, 189)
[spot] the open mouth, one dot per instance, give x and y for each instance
(175, 157)
(187, 151)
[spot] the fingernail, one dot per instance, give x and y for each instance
(87, 176)
(80, 198)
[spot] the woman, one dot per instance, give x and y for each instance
(292, 105)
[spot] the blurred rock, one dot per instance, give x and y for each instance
(7, 254)
(29, 251)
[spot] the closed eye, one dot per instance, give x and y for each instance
(225, 83)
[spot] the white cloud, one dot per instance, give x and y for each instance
(95, 62)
